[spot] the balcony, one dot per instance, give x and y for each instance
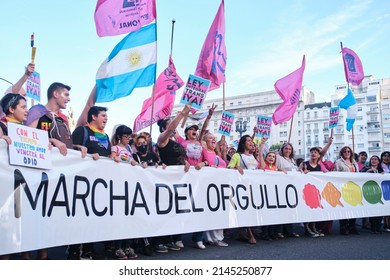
(325, 129)
(373, 112)
(375, 128)
(374, 149)
(308, 131)
(316, 131)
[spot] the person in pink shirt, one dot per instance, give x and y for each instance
(213, 237)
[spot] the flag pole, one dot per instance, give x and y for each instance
(291, 125)
(153, 93)
(223, 96)
(353, 140)
(173, 26)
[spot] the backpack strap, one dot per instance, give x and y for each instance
(85, 135)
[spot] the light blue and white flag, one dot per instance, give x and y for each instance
(131, 64)
(349, 103)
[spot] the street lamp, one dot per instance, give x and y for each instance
(241, 127)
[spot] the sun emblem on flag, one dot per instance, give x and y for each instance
(134, 58)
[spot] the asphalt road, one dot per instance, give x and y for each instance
(366, 246)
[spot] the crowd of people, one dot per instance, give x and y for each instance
(198, 147)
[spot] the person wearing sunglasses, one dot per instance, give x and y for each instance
(347, 163)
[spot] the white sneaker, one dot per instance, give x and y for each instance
(179, 244)
(200, 245)
(220, 243)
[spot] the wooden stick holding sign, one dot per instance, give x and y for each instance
(194, 93)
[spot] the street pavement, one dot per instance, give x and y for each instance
(366, 246)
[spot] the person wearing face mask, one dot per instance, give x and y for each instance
(144, 156)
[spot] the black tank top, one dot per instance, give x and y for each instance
(311, 168)
(172, 154)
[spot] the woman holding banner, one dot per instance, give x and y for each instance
(241, 160)
(285, 160)
(15, 108)
(214, 237)
(347, 163)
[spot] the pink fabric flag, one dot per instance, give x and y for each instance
(115, 17)
(289, 89)
(352, 66)
(212, 60)
(165, 92)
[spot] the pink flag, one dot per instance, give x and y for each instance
(289, 89)
(352, 66)
(115, 17)
(212, 59)
(165, 92)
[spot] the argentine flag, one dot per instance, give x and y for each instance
(131, 64)
(349, 103)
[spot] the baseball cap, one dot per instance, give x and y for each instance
(191, 126)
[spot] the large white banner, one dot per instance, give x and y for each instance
(82, 200)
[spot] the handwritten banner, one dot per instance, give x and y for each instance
(83, 200)
(195, 91)
(33, 86)
(225, 127)
(29, 146)
(334, 117)
(263, 126)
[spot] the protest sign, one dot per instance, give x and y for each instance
(334, 117)
(33, 86)
(263, 126)
(195, 91)
(226, 125)
(29, 146)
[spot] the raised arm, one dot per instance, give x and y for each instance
(206, 122)
(171, 128)
(27, 73)
(82, 120)
(261, 151)
(326, 147)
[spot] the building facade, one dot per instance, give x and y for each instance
(309, 126)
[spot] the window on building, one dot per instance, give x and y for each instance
(299, 133)
(308, 115)
(371, 98)
(315, 115)
(360, 109)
